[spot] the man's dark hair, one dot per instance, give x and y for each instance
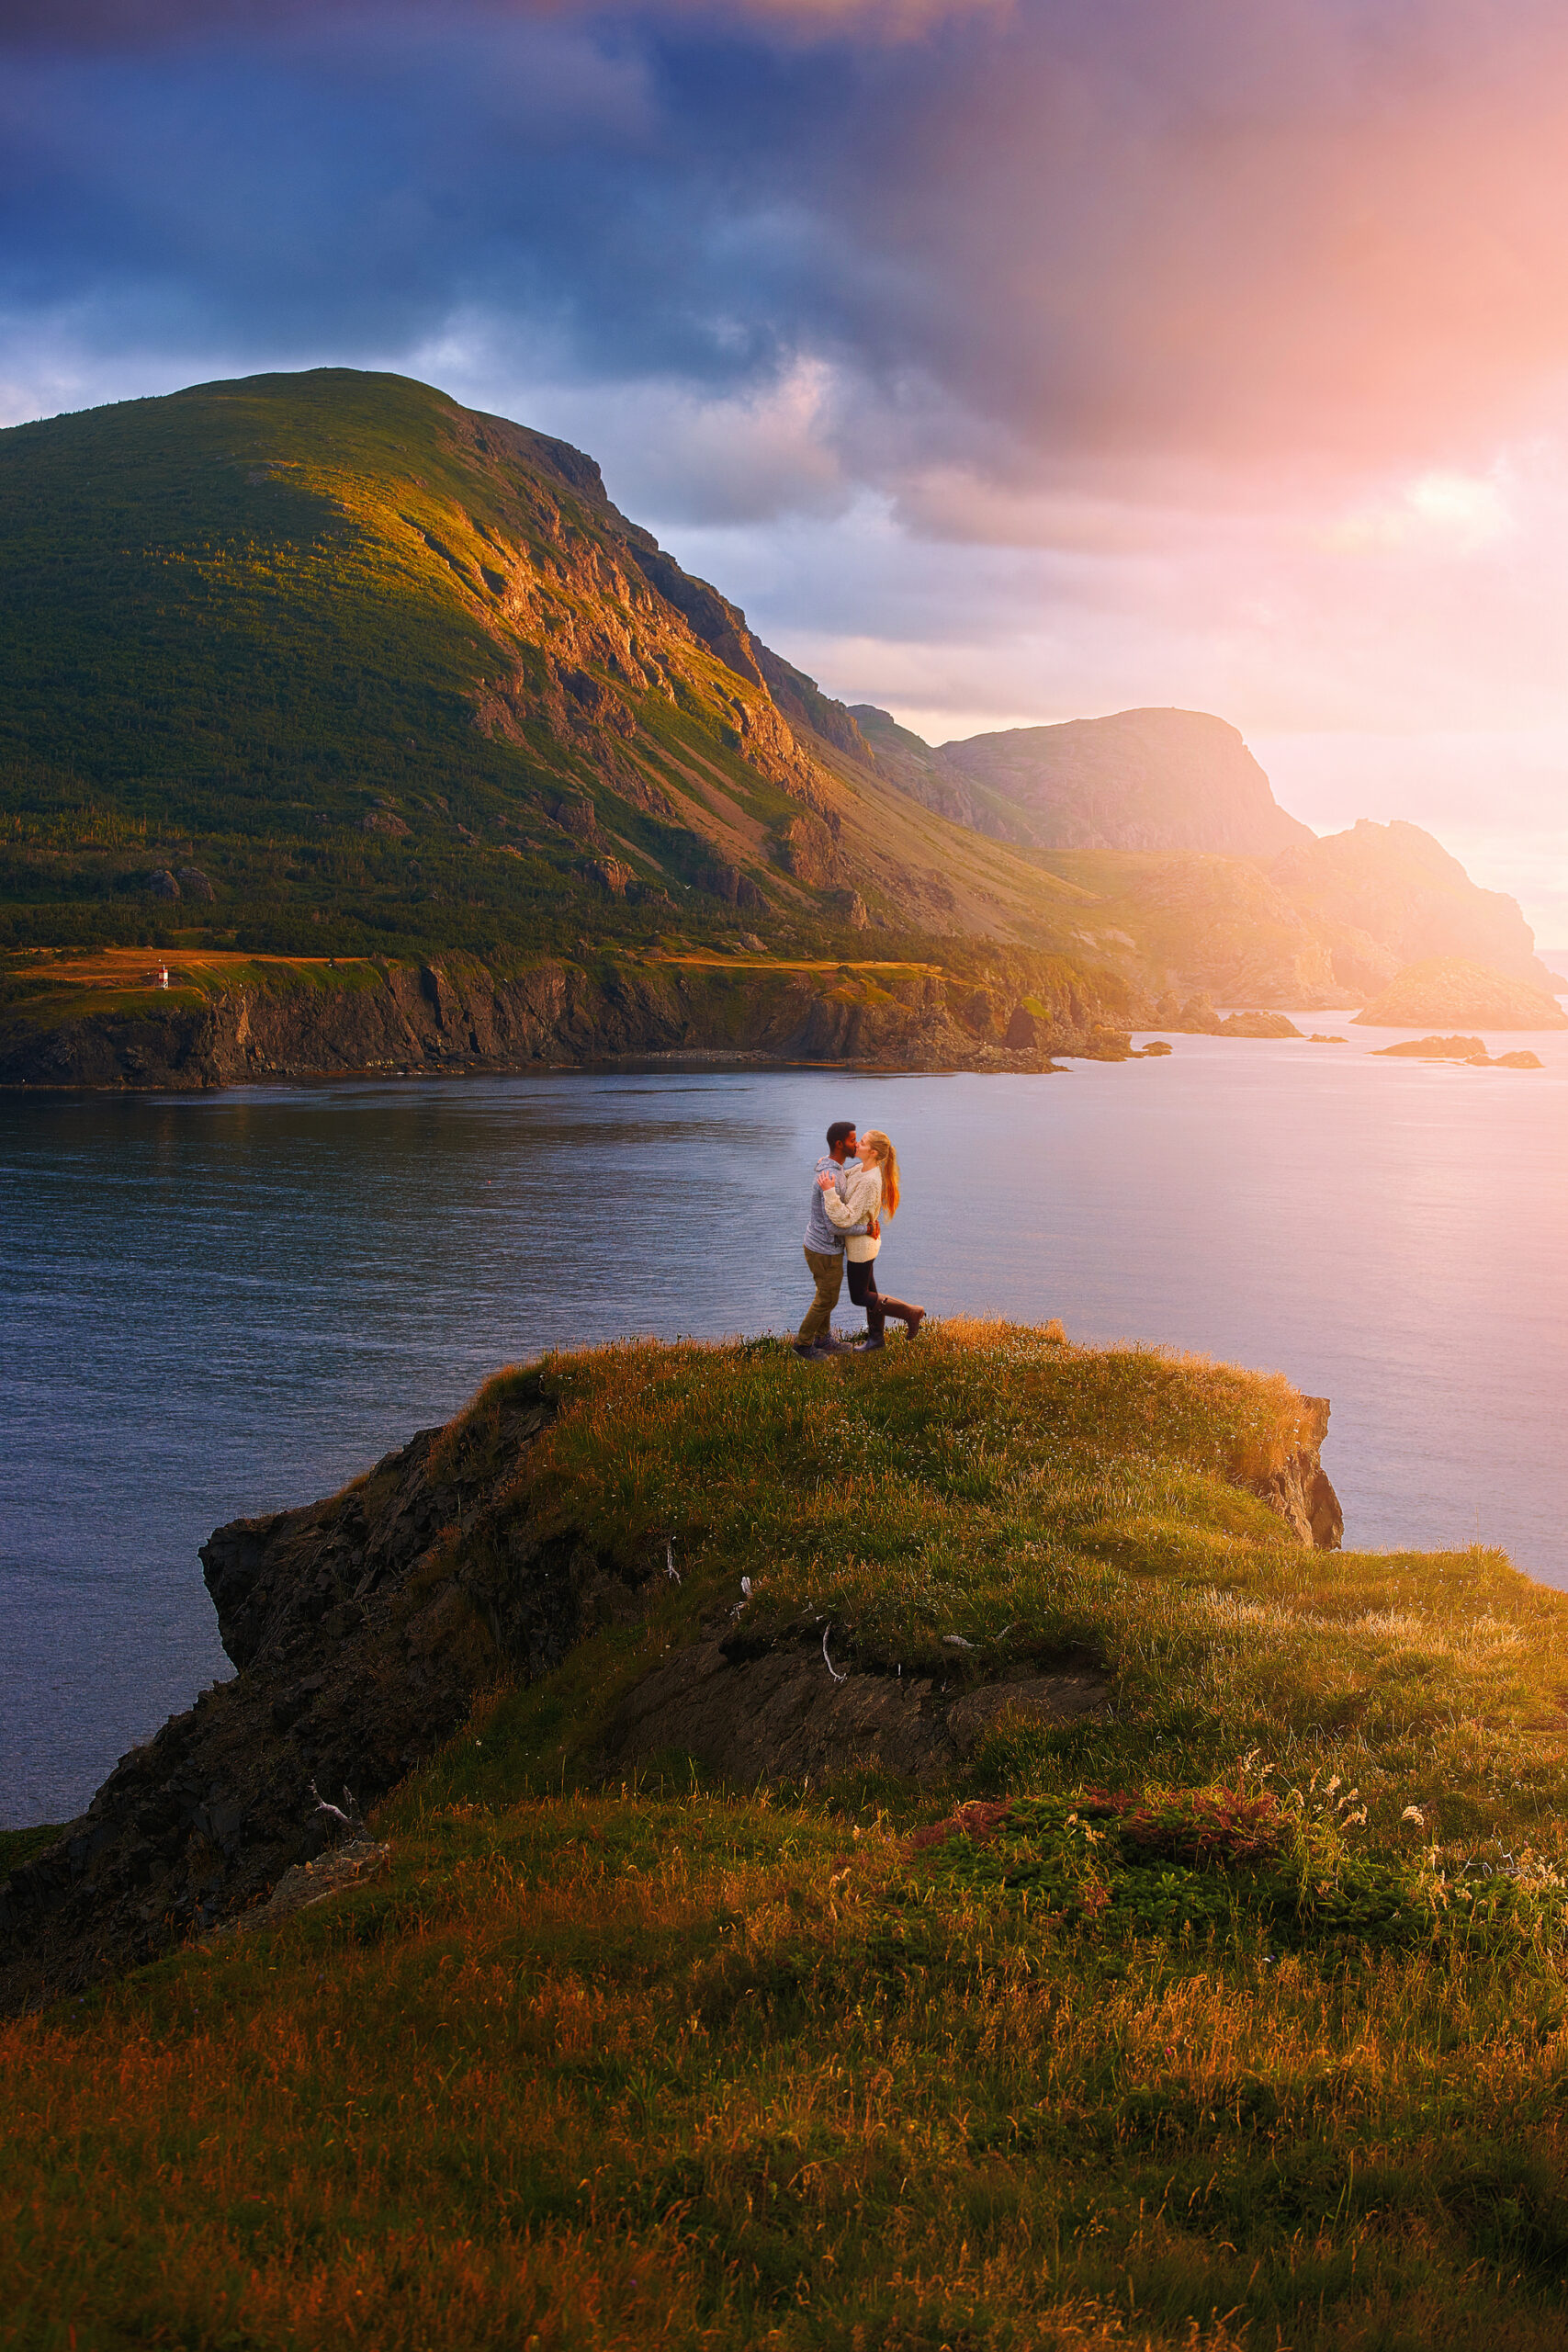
(840, 1131)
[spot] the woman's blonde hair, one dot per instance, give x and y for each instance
(887, 1161)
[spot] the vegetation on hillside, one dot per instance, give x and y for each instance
(248, 628)
(1231, 2016)
(329, 663)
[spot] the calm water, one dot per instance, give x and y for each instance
(218, 1304)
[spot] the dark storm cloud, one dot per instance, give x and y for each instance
(1054, 234)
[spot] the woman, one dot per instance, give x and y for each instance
(871, 1194)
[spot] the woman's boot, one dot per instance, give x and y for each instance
(911, 1317)
(875, 1319)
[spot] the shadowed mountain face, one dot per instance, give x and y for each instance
(1139, 780)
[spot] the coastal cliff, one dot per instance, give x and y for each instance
(364, 1627)
(224, 1021)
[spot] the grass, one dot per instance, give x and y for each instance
(18, 1846)
(1233, 2017)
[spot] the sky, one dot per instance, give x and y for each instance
(1009, 360)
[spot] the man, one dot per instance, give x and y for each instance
(825, 1248)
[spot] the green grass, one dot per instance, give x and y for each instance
(18, 1846)
(1233, 2017)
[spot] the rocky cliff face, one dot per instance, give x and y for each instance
(362, 1627)
(457, 1015)
(1300, 1490)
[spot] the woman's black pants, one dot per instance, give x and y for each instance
(861, 1273)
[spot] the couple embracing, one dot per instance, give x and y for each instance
(856, 1185)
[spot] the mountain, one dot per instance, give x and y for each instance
(1139, 780)
(1395, 885)
(1167, 822)
(327, 660)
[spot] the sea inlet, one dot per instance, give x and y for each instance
(218, 1304)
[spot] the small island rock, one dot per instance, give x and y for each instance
(1438, 1049)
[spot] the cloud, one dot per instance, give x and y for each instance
(1037, 237)
(1017, 359)
(124, 26)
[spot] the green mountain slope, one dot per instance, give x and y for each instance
(327, 659)
(327, 664)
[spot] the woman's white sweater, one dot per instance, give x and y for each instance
(861, 1202)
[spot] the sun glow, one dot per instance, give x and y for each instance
(1454, 512)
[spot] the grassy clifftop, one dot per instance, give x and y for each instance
(1231, 2013)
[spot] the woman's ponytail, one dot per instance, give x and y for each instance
(887, 1162)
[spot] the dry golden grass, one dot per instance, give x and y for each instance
(659, 2065)
(592, 2071)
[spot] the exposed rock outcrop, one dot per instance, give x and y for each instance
(362, 1632)
(1469, 1050)
(1300, 1490)
(1438, 1049)
(783, 1716)
(1200, 1018)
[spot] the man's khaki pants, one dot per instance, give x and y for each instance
(827, 1273)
